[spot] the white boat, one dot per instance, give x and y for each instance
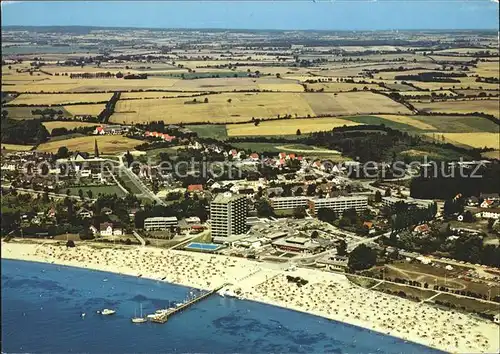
(83, 315)
(107, 312)
(141, 319)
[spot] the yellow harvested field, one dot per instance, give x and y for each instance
(340, 86)
(287, 127)
(353, 103)
(154, 94)
(243, 107)
(67, 124)
(489, 106)
(495, 154)
(286, 86)
(477, 140)
(83, 109)
(427, 93)
(108, 144)
(15, 147)
(65, 84)
(59, 99)
(465, 83)
(488, 69)
(408, 120)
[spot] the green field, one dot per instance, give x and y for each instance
(213, 131)
(459, 124)
(96, 190)
(25, 112)
(374, 120)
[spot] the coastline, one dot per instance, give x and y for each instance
(327, 295)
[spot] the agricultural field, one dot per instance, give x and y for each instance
(458, 124)
(27, 112)
(85, 109)
(15, 147)
(476, 140)
(342, 87)
(408, 120)
(155, 95)
(108, 144)
(286, 127)
(214, 131)
(427, 93)
(465, 83)
(351, 103)
(67, 124)
(488, 69)
(222, 108)
(488, 106)
(59, 99)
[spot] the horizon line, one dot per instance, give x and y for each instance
(256, 29)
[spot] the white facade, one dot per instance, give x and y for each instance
(160, 223)
(228, 213)
(339, 204)
(289, 202)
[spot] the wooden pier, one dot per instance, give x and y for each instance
(162, 318)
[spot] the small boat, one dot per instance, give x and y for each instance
(107, 312)
(141, 319)
(105, 280)
(83, 315)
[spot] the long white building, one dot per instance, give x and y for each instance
(339, 204)
(289, 202)
(160, 223)
(228, 214)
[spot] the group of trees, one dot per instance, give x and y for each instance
(26, 132)
(362, 257)
(109, 109)
(468, 182)
(404, 215)
(432, 76)
(98, 75)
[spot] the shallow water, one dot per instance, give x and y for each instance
(42, 306)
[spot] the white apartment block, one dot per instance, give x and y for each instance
(289, 202)
(228, 214)
(339, 204)
(160, 223)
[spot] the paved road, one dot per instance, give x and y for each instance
(54, 195)
(139, 237)
(138, 183)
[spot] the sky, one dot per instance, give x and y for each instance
(263, 14)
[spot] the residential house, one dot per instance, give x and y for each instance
(195, 188)
(108, 229)
(106, 211)
(487, 203)
(423, 229)
(52, 213)
(84, 213)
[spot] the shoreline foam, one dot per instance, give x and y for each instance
(327, 295)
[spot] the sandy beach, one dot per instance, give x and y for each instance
(328, 295)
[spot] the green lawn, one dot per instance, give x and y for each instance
(213, 131)
(96, 190)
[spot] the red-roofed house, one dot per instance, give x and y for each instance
(195, 188)
(99, 130)
(291, 156)
(487, 203)
(168, 138)
(147, 133)
(422, 229)
(254, 156)
(282, 155)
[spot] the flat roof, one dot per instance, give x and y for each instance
(224, 198)
(278, 199)
(162, 218)
(342, 198)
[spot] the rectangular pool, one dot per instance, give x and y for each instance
(203, 246)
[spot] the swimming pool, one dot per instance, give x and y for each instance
(203, 246)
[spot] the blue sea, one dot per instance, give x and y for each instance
(42, 306)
